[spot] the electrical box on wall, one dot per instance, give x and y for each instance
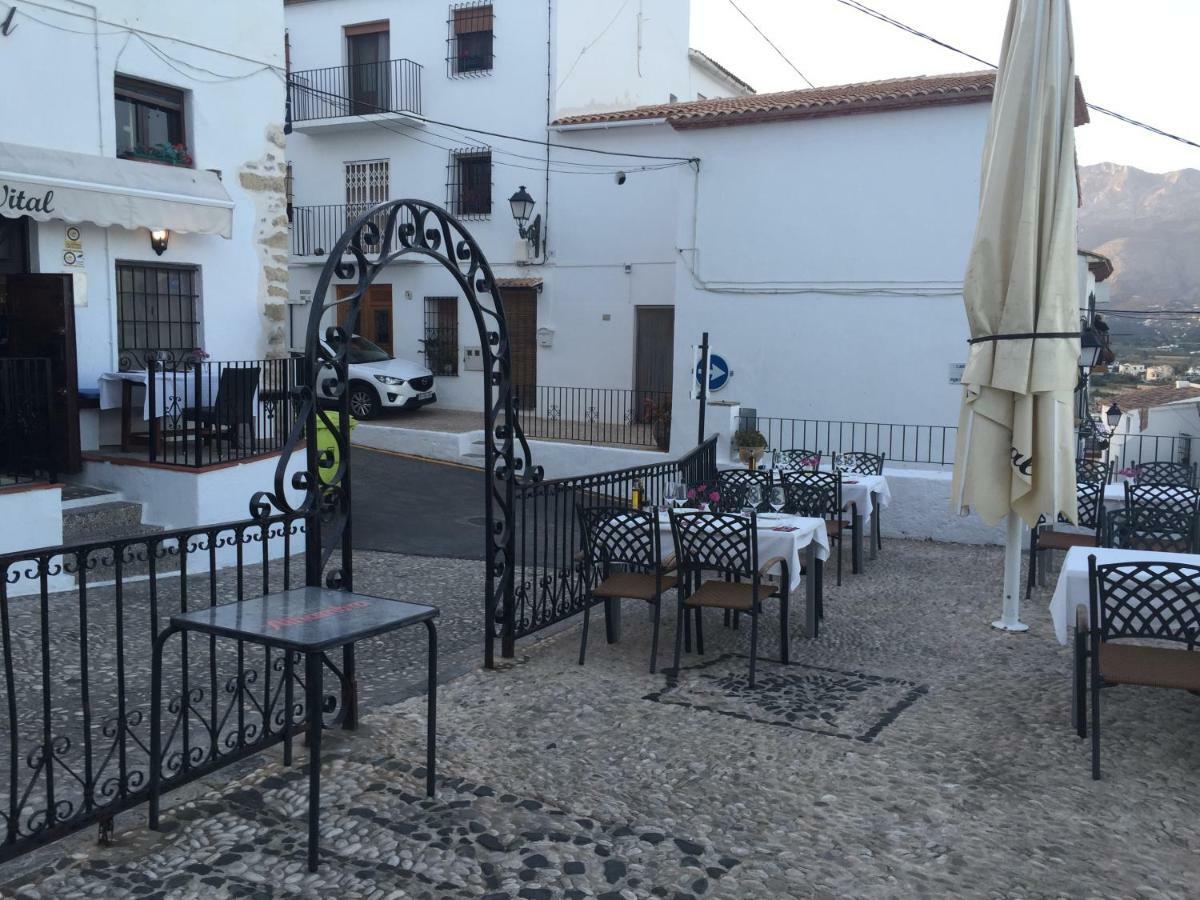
(473, 359)
(545, 337)
(304, 299)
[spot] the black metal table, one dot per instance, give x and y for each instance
(306, 620)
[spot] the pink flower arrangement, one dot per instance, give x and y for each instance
(1130, 472)
(702, 493)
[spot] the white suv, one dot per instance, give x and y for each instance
(379, 381)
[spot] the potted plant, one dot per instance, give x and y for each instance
(751, 446)
(658, 415)
(700, 496)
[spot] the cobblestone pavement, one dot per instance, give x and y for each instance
(911, 751)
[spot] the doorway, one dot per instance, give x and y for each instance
(37, 322)
(520, 314)
(375, 316)
(654, 352)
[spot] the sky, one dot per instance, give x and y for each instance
(1136, 57)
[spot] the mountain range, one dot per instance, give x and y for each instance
(1149, 226)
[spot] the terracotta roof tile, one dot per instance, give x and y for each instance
(871, 96)
(1151, 397)
(518, 282)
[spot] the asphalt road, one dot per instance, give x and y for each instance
(413, 506)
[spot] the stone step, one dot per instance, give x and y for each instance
(101, 521)
(77, 495)
(104, 569)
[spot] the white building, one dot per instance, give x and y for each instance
(123, 118)
(1159, 373)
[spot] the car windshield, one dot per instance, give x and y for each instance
(363, 351)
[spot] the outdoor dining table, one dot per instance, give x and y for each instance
(174, 391)
(792, 537)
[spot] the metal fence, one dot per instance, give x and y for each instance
(207, 412)
(595, 415)
(26, 420)
(391, 85)
(1127, 451)
(917, 444)
(550, 582)
(76, 629)
(316, 229)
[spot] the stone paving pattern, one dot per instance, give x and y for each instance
(911, 751)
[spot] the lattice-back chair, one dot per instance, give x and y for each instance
(232, 408)
(629, 539)
(1174, 473)
(726, 544)
(799, 460)
(1093, 470)
(1089, 504)
(860, 462)
(1174, 498)
(817, 495)
(1141, 601)
(734, 484)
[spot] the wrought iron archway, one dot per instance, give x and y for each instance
(377, 238)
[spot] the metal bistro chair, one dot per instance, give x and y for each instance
(799, 460)
(616, 535)
(817, 495)
(232, 408)
(1138, 600)
(1156, 517)
(1173, 473)
(1093, 470)
(859, 462)
(726, 544)
(1089, 503)
(734, 484)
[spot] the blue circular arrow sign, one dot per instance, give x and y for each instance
(718, 372)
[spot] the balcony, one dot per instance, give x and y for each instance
(315, 229)
(345, 97)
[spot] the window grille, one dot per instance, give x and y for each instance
(469, 183)
(469, 46)
(158, 309)
(441, 335)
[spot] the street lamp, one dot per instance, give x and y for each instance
(522, 205)
(1090, 349)
(1113, 415)
(158, 240)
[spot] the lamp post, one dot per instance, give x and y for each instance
(1113, 416)
(522, 205)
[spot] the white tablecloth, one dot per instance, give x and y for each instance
(173, 391)
(1072, 588)
(1114, 494)
(772, 542)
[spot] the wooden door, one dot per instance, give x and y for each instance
(654, 354)
(520, 314)
(375, 316)
(14, 246)
(38, 314)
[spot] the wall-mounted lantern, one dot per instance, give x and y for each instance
(522, 208)
(158, 240)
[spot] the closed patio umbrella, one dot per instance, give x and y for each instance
(1015, 449)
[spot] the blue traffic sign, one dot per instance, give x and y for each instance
(718, 372)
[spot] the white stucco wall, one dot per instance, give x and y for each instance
(30, 519)
(66, 102)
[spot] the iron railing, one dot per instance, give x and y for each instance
(1127, 451)
(549, 582)
(918, 444)
(595, 415)
(391, 85)
(315, 229)
(26, 420)
(76, 628)
(204, 412)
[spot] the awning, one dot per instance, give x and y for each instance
(80, 187)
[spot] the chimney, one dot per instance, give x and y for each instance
(1183, 384)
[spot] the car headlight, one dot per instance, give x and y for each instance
(389, 379)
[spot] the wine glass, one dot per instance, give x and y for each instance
(777, 498)
(754, 497)
(676, 494)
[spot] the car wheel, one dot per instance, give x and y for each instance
(364, 402)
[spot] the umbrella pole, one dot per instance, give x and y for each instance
(1010, 619)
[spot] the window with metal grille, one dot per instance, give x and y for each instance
(469, 45)
(158, 309)
(469, 183)
(441, 335)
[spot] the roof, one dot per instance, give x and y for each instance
(1152, 397)
(867, 96)
(708, 62)
(1098, 264)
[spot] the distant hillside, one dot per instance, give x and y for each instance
(1149, 225)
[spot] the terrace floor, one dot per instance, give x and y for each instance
(911, 751)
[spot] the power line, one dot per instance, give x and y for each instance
(782, 55)
(1128, 120)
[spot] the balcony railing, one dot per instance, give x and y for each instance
(315, 229)
(595, 415)
(925, 445)
(392, 85)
